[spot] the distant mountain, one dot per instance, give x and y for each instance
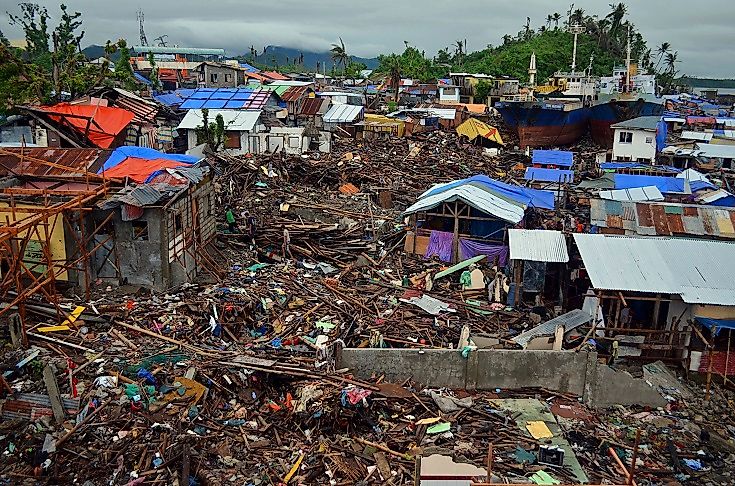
(278, 55)
(95, 52)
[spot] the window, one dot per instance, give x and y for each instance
(626, 137)
(232, 140)
(140, 230)
(178, 222)
(450, 91)
(649, 139)
(228, 78)
(213, 77)
(294, 142)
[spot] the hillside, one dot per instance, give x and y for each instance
(553, 53)
(280, 56)
(708, 82)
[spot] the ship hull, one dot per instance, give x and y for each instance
(604, 115)
(539, 126)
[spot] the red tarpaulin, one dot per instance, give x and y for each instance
(104, 122)
(139, 169)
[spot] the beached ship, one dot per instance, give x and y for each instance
(558, 112)
(623, 96)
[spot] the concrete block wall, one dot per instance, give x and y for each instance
(487, 369)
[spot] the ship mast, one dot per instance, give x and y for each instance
(626, 89)
(532, 70)
(575, 29)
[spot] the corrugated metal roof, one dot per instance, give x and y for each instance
(313, 106)
(662, 219)
(570, 321)
(538, 245)
(640, 123)
(81, 160)
(650, 193)
(658, 265)
(712, 150)
(293, 93)
(690, 135)
(474, 196)
(235, 120)
(343, 113)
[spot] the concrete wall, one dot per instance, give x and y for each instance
(563, 371)
(638, 149)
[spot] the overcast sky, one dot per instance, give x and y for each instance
(702, 31)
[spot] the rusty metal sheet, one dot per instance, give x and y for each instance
(676, 225)
(614, 221)
(644, 215)
(29, 161)
(691, 211)
(708, 224)
(658, 214)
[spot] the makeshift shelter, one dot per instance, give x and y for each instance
(465, 218)
(142, 164)
(84, 125)
(539, 260)
(479, 132)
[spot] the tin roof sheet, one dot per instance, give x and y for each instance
(538, 245)
(343, 113)
(655, 265)
(29, 161)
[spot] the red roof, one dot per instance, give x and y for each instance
(294, 93)
(100, 124)
(312, 106)
(275, 75)
(257, 76)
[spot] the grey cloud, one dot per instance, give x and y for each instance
(703, 36)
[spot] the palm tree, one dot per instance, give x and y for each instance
(662, 50)
(507, 39)
(549, 19)
(577, 16)
(671, 60)
(527, 33)
(393, 66)
(339, 54)
(556, 17)
(616, 21)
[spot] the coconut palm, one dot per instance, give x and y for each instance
(339, 54)
(671, 60)
(393, 66)
(577, 16)
(662, 50)
(549, 20)
(556, 17)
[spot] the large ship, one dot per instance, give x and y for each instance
(623, 96)
(556, 113)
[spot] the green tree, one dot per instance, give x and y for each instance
(339, 54)
(155, 80)
(123, 68)
(21, 82)
(3, 39)
(556, 17)
(212, 134)
(33, 19)
(482, 91)
(662, 50)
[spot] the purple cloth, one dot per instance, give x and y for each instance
(440, 244)
(469, 249)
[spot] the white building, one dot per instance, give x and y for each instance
(448, 94)
(635, 139)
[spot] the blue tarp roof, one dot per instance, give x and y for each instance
(667, 185)
(553, 157)
(142, 79)
(549, 175)
(715, 325)
(247, 67)
(173, 98)
(528, 197)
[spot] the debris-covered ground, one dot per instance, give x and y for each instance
(235, 381)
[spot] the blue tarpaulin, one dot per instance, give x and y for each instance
(549, 175)
(528, 197)
(142, 164)
(667, 185)
(661, 134)
(715, 325)
(142, 79)
(553, 157)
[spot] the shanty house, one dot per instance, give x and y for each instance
(342, 115)
(448, 92)
(215, 75)
(635, 139)
(465, 218)
(539, 260)
(154, 232)
(241, 127)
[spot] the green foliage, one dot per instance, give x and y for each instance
(3, 39)
(482, 91)
(123, 68)
(21, 82)
(707, 82)
(211, 133)
(33, 19)
(412, 63)
(155, 80)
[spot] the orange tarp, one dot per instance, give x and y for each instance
(139, 170)
(104, 122)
